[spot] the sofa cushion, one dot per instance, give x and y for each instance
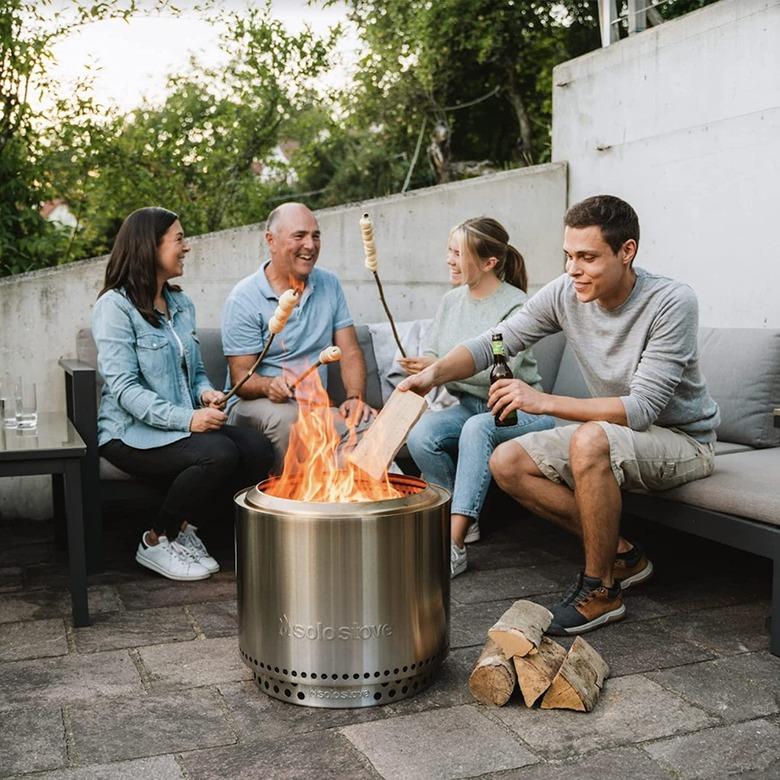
(742, 369)
(568, 380)
(548, 352)
(743, 484)
(373, 390)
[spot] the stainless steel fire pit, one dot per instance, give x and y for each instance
(344, 604)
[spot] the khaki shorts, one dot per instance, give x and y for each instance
(655, 459)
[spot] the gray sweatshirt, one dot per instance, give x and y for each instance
(643, 352)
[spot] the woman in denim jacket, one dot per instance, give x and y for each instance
(159, 418)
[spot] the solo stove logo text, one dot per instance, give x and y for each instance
(319, 631)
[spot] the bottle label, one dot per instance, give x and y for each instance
(498, 347)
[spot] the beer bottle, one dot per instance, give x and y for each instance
(501, 370)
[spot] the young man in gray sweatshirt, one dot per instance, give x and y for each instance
(650, 424)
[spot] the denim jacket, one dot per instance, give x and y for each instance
(148, 396)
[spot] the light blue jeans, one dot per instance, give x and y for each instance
(452, 449)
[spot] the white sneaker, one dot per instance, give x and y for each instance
(192, 542)
(472, 535)
(458, 561)
(171, 560)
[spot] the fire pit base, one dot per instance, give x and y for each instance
(344, 605)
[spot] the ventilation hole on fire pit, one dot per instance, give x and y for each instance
(367, 675)
(301, 695)
(356, 676)
(287, 692)
(413, 666)
(376, 674)
(266, 684)
(345, 677)
(391, 693)
(377, 696)
(395, 671)
(405, 689)
(384, 684)
(276, 669)
(276, 689)
(334, 676)
(405, 669)
(387, 672)
(294, 673)
(304, 675)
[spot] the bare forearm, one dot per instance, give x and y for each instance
(254, 387)
(353, 374)
(586, 409)
(456, 364)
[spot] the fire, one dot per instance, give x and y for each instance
(315, 466)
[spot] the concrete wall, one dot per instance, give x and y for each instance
(41, 312)
(683, 121)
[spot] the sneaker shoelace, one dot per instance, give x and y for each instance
(193, 543)
(183, 553)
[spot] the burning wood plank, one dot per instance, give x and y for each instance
(379, 445)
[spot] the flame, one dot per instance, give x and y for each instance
(296, 284)
(315, 464)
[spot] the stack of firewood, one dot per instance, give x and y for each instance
(518, 654)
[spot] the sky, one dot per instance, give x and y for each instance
(135, 57)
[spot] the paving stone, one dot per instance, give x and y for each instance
(216, 618)
(448, 743)
(727, 631)
(469, 623)
(753, 746)
(42, 604)
(156, 768)
(10, 578)
(621, 762)
(155, 591)
(450, 689)
(484, 556)
(735, 688)
(33, 639)
(26, 553)
(631, 647)
(259, 718)
(517, 583)
(31, 738)
(134, 628)
(68, 678)
(202, 662)
(630, 710)
(322, 754)
(134, 727)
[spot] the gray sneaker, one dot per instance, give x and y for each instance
(458, 561)
(472, 535)
(171, 560)
(192, 542)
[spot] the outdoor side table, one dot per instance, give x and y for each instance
(55, 448)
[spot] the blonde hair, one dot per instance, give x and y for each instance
(482, 238)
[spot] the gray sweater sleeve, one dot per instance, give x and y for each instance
(670, 348)
(537, 318)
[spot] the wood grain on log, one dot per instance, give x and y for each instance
(536, 671)
(579, 680)
(493, 678)
(519, 630)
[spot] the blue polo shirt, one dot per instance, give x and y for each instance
(249, 307)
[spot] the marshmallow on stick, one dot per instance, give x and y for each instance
(369, 250)
(328, 355)
(287, 302)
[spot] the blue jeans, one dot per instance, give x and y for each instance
(452, 449)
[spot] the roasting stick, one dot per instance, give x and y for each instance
(328, 355)
(287, 303)
(369, 248)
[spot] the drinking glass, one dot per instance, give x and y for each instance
(26, 405)
(7, 403)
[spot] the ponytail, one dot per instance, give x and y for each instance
(483, 238)
(514, 272)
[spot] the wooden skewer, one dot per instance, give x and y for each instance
(329, 355)
(369, 247)
(287, 303)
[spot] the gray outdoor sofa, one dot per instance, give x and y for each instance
(739, 505)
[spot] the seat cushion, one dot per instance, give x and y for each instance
(728, 447)
(743, 484)
(742, 369)
(548, 352)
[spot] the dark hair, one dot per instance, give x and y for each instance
(617, 220)
(484, 238)
(132, 265)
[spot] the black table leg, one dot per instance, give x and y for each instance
(76, 558)
(58, 505)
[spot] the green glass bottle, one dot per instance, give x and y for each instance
(501, 370)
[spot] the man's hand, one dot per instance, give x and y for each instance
(507, 395)
(355, 411)
(207, 419)
(413, 365)
(278, 391)
(420, 383)
(213, 398)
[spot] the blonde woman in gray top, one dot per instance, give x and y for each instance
(452, 447)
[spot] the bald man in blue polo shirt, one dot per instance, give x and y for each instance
(320, 320)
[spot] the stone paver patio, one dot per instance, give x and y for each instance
(155, 688)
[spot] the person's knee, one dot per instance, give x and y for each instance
(589, 448)
(503, 464)
(222, 456)
(476, 428)
(422, 438)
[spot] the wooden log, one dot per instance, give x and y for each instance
(579, 680)
(537, 670)
(493, 678)
(519, 630)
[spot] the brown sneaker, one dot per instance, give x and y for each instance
(631, 568)
(587, 606)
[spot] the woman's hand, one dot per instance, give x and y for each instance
(420, 383)
(413, 365)
(355, 411)
(213, 398)
(208, 419)
(508, 395)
